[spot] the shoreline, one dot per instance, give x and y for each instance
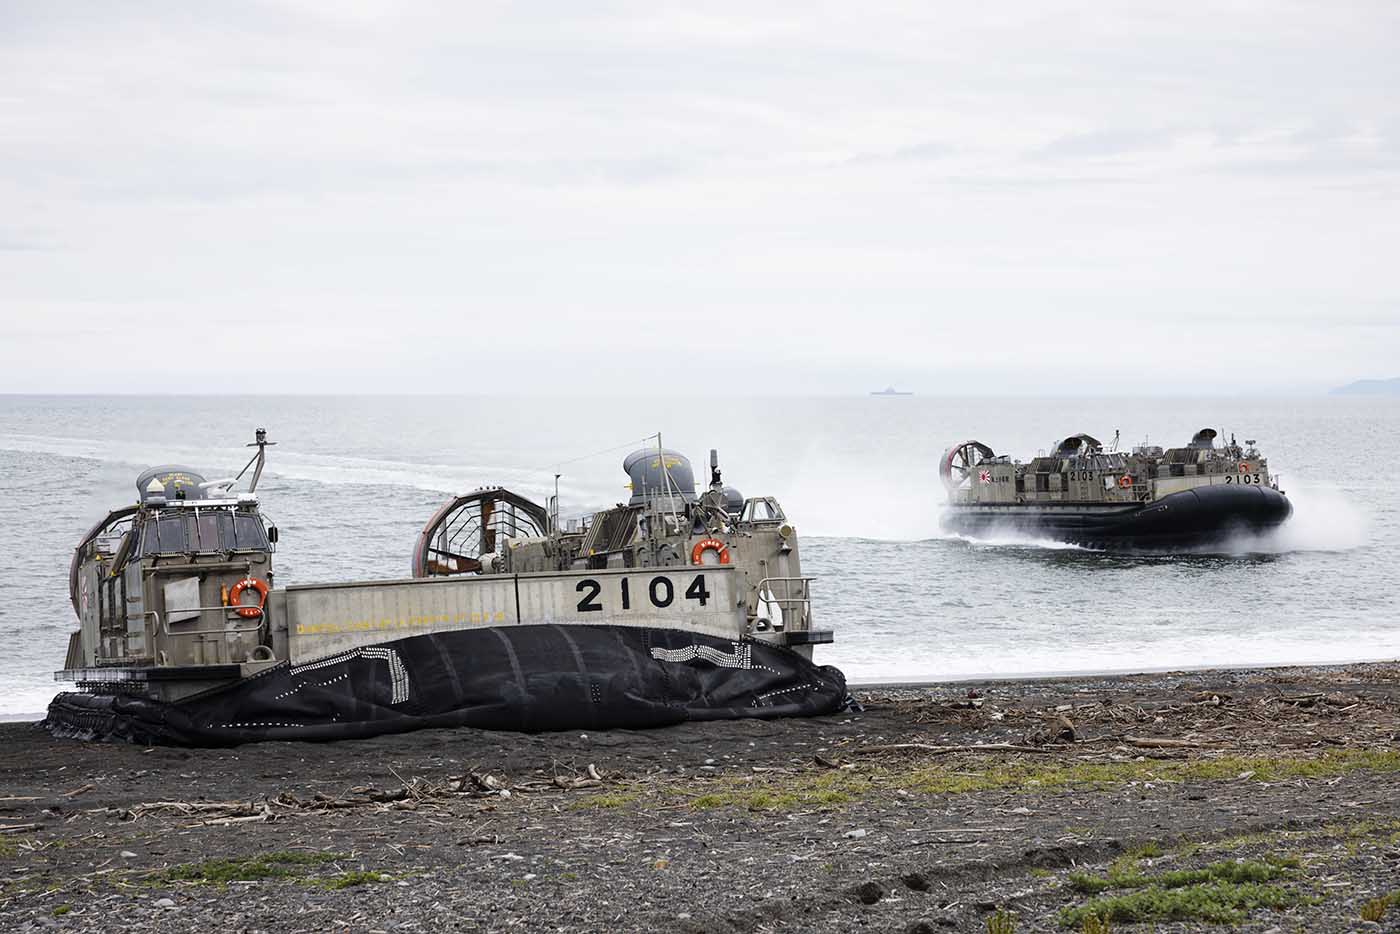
(1034, 677)
(933, 809)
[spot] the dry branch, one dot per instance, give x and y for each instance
(945, 750)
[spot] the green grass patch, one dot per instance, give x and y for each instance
(945, 780)
(1218, 902)
(220, 872)
(1219, 893)
(352, 878)
(61, 910)
(1003, 922)
(1129, 877)
(1375, 909)
(619, 800)
(805, 790)
(836, 787)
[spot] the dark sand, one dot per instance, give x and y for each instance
(796, 825)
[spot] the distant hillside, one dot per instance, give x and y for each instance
(1370, 387)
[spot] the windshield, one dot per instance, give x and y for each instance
(206, 531)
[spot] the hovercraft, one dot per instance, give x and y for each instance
(1151, 499)
(671, 607)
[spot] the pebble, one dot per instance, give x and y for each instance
(164, 903)
(855, 834)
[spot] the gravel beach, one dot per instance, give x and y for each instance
(1267, 799)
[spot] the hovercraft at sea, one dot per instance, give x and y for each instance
(1147, 499)
(672, 607)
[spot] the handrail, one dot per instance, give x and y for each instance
(802, 603)
(164, 626)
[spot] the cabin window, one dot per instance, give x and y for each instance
(1042, 483)
(211, 532)
(208, 528)
(164, 536)
(248, 531)
(763, 510)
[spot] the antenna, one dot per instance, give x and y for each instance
(554, 514)
(666, 478)
(261, 443)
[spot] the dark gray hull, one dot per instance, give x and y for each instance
(1189, 519)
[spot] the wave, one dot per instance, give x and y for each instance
(288, 465)
(1008, 539)
(1323, 519)
(28, 701)
(872, 663)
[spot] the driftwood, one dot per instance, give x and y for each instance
(408, 797)
(1153, 742)
(945, 750)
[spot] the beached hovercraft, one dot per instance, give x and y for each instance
(674, 606)
(1147, 499)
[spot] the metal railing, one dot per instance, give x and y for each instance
(164, 625)
(792, 595)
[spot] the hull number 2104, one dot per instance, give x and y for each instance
(660, 591)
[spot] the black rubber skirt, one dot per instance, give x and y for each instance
(531, 678)
(1202, 516)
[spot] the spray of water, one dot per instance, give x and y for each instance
(1323, 520)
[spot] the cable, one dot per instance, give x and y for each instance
(620, 447)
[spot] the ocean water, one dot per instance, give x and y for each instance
(352, 479)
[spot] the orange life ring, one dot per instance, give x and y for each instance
(1125, 481)
(709, 544)
(248, 612)
(1244, 468)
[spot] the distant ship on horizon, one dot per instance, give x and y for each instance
(891, 391)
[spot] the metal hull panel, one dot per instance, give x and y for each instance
(529, 678)
(326, 619)
(1187, 519)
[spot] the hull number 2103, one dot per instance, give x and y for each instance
(660, 591)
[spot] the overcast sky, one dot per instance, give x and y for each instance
(757, 197)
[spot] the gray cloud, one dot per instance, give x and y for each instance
(798, 197)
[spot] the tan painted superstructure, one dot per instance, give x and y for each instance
(1079, 471)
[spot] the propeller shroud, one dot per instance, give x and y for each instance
(961, 461)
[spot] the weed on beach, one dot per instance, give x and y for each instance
(1376, 908)
(1028, 776)
(1213, 902)
(1003, 922)
(835, 787)
(1218, 893)
(354, 877)
(222, 871)
(1125, 877)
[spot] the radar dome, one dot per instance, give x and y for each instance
(171, 481)
(659, 474)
